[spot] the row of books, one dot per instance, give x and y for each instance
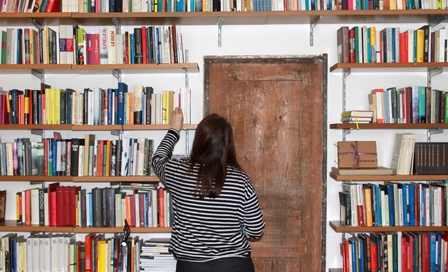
(63, 252)
(102, 207)
(367, 45)
(156, 256)
(76, 157)
(403, 159)
(97, 6)
(413, 104)
(395, 251)
(431, 158)
(394, 204)
(94, 106)
(73, 45)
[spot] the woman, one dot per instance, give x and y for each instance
(214, 202)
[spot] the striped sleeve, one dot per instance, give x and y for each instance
(253, 218)
(163, 153)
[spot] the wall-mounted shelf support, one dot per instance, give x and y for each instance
(345, 73)
(313, 23)
(344, 133)
(38, 73)
(437, 20)
(39, 132)
(435, 130)
(36, 24)
(117, 24)
(117, 74)
(186, 60)
(38, 183)
(219, 23)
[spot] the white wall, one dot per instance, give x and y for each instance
(266, 40)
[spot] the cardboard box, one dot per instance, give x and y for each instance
(357, 155)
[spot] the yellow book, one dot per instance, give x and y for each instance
(47, 106)
(372, 36)
(420, 44)
(393, 4)
(102, 256)
(18, 207)
(77, 211)
(22, 245)
(57, 112)
(127, 108)
(47, 44)
(165, 107)
(368, 202)
(170, 106)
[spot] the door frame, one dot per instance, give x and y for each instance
(208, 60)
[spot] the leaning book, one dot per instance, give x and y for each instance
(352, 172)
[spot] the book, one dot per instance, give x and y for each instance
(357, 113)
(374, 171)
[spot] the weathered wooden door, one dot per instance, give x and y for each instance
(277, 107)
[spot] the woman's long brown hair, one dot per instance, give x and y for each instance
(213, 149)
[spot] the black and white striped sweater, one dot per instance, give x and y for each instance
(208, 229)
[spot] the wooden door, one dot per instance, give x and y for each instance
(277, 108)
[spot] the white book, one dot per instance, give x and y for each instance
(180, 46)
(34, 206)
(118, 220)
(29, 253)
(63, 40)
(96, 105)
(18, 256)
(148, 202)
(46, 210)
(90, 109)
(54, 254)
(441, 44)
(103, 45)
(134, 158)
(153, 108)
(185, 94)
(154, 208)
(47, 253)
(137, 210)
(81, 161)
(112, 45)
(136, 5)
(36, 253)
(119, 48)
(14, 47)
(62, 254)
(140, 157)
(125, 157)
(123, 211)
(23, 208)
(88, 208)
(144, 7)
(70, 45)
(72, 257)
(410, 45)
(400, 206)
(166, 206)
(159, 109)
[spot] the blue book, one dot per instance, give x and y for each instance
(386, 105)
(132, 49)
(433, 248)
(307, 5)
(19, 46)
(375, 205)
(68, 106)
(423, 208)
(393, 45)
(354, 251)
(125, 114)
(116, 110)
(405, 205)
(439, 252)
(411, 190)
(112, 6)
(380, 205)
(54, 155)
(122, 90)
(390, 193)
(362, 268)
(13, 255)
(90, 214)
(422, 104)
(109, 105)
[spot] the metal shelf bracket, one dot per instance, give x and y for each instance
(117, 74)
(219, 23)
(36, 24)
(117, 24)
(313, 23)
(435, 130)
(434, 71)
(39, 132)
(37, 73)
(437, 20)
(39, 182)
(187, 80)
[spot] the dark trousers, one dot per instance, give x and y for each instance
(222, 265)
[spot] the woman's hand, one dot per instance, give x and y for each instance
(177, 119)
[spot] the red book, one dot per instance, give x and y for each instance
(66, 206)
(60, 206)
(359, 205)
(403, 254)
(426, 252)
(100, 159)
(89, 49)
(379, 93)
(142, 209)
(408, 93)
(22, 109)
(71, 206)
(42, 113)
(409, 252)
(144, 44)
(374, 257)
(88, 252)
(403, 52)
(96, 48)
(347, 252)
(406, 47)
(53, 6)
(53, 208)
(27, 207)
(342, 248)
(351, 37)
(46, 157)
(162, 207)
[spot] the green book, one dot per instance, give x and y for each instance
(357, 44)
(3, 61)
(415, 45)
(104, 160)
(395, 251)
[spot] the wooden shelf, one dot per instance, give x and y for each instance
(36, 15)
(47, 127)
(387, 177)
(390, 126)
(336, 226)
(36, 178)
(128, 127)
(193, 67)
(120, 229)
(35, 66)
(388, 65)
(142, 179)
(335, 270)
(11, 225)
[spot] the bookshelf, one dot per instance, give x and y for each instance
(337, 227)
(388, 177)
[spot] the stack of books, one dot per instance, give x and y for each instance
(403, 154)
(357, 116)
(155, 255)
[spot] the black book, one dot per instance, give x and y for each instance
(110, 206)
(85, 116)
(63, 113)
(148, 46)
(118, 163)
(27, 154)
(104, 209)
(148, 95)
(26, 107)
(174, 43)
(41, 206)
(119, 6)
(345, 209)
(97, 207)
(35, 106)
(138, 58)
(82, 257)
(75, 44)
(216, 5)
(68, 105)
(41, 45)
(74, 157)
